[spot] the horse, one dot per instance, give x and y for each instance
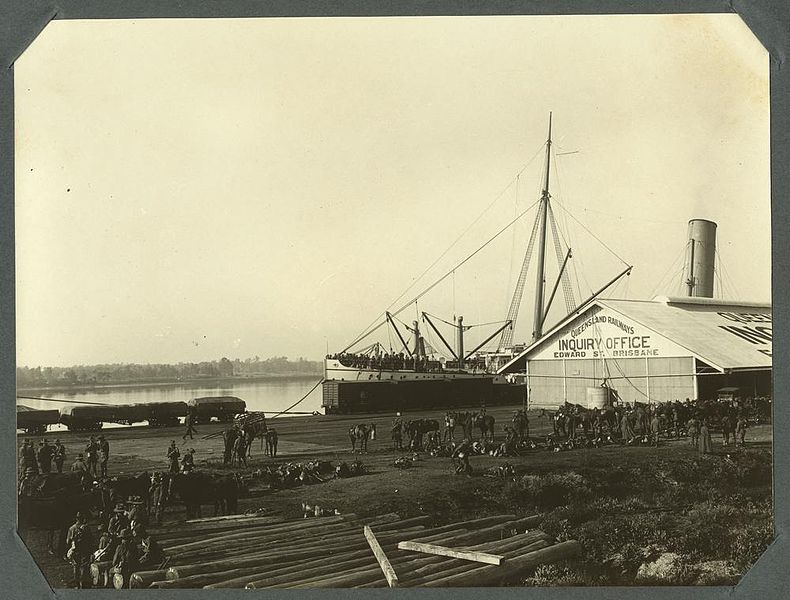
(253, 424)
(485, 423)
(198, 488)
(521, 425)
(417, 429)
(359, 434)
(55, 514)
(271, 442)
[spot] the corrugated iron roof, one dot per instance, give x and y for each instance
(726, 335)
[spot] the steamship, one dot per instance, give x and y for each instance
(411, 378)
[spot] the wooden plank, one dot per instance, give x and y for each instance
(481, 557)
(384, 563)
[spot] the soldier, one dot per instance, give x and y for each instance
(229, 437)
(79, 465)
(28, 457)
(92, 455)
(449, 426)
(461, 454)
(44, 456)
(740, 430)
(81, 545)
(397, 432)
(26, 489)
(655, 428)
(693, 429)
(189, 421)
(59, 455)
(127, 557)
(157, 495)
(726, 427)
(138, 514)
(173, 454)
(240, 449)
(188, 461)
(104, 455)
(119, 520)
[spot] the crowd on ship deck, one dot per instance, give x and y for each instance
(400, 361)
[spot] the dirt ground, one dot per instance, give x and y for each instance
(430, 484)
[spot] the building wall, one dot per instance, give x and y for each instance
(553, 382)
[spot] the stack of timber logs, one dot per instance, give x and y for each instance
(338, 552)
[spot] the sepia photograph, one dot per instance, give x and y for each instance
(378, 302)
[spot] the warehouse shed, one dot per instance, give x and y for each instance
(650, 351)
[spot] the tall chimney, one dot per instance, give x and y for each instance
(700, 258)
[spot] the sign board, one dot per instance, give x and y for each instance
(604, 333)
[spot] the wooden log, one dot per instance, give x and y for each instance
(117, 581)
(474, 556)
(381, 557)
(489, 575)
(236, 517)
(404, 523)
(143, 579)
(426, 576)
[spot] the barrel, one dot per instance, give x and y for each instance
(597, 397)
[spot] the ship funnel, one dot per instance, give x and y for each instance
(700, 258)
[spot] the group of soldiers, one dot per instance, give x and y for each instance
(120, 541)
(93, 460)
(178, 464)
(39, 460)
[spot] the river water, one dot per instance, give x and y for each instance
(269, 396)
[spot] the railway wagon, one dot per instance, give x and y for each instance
(34, 421)
(165, 414)
(225, 408)
(90, 417)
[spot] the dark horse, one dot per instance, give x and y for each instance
(198, 488)
(360, 434)
(485, 423)
(56, 514)
(417, 429)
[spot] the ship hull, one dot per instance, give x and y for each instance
(350, 391)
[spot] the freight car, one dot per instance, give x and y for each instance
(225, 408)
(165, 414)
(34, 421)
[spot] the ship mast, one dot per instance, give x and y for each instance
(537, 329)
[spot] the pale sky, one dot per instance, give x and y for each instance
(192, 189)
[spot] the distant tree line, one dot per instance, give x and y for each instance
(107, 374)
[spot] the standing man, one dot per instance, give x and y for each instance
(173, 454)
(705, 445)
(81, 545)
(104, 455)
(157, 495)
(127, 556)
(189, 421)
(693, 425)
(92, 455)
(44, 456)
(240, 449)
(59, 455)
(397, 432)
(28, 457)
(740, 430)
(655, 428)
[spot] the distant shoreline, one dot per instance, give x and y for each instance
(161, 384)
